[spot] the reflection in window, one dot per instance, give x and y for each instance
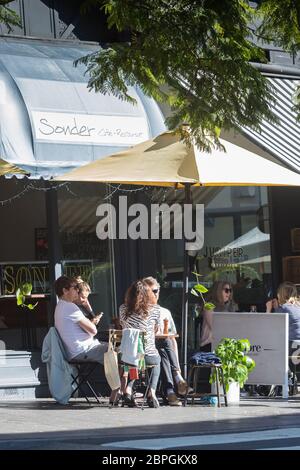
(236, 248)
(82, 252)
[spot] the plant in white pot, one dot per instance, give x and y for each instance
(236, 365)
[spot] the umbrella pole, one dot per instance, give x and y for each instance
(185, 293)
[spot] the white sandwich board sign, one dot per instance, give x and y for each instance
(268, 336)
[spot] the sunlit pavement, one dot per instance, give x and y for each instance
(255, 423)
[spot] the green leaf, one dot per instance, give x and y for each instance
(245, 344)
(209, 306)
(31, 306)
(249, 363)
(196, 274)
(20, 297)
(26, 288)
(194, 292)
(200, 288)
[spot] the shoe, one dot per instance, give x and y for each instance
(182, 387)
(129, 401)
(116, 401)
(165, 401)
(173, 400)
(153, 402)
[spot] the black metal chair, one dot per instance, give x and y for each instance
(84, 370)
(80, 378)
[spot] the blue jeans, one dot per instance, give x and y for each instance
(155, 372)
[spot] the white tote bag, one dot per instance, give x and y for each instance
(111, 368)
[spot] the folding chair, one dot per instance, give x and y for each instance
(84, 369)
(81, 378)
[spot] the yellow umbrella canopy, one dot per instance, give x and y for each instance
(9, 168)
(166, 160)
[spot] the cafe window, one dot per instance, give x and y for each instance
(24, 256)
(83, 253)
(236, 248)
(22, 211)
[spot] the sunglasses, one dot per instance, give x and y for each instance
(227, 290)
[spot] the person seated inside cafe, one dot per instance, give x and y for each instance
(221, 295)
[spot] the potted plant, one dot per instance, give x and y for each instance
(236, 365)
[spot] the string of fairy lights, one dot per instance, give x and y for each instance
(111, 190)
(33, 187)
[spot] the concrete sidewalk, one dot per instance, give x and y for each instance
(43, 424)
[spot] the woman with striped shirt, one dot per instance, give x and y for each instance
(139, 311)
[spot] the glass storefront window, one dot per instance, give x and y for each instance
(242, 256)
(22, 212)
(24, 256)
(236, 249)
(83, 253)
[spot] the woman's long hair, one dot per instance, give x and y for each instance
(138, 299)
(287, 293)
(215, 296)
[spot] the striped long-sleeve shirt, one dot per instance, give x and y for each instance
(148, 324)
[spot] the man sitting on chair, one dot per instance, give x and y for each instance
(76, 331)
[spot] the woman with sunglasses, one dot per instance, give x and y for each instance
(221, 296)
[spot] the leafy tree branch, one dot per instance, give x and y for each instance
(8, 16)
(201, 52)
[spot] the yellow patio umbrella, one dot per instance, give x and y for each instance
(9, 168)
(168, 161)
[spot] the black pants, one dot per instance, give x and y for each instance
(169, 362)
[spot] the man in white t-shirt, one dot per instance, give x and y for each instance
(76, 331)
(168, 350)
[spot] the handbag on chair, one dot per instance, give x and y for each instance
(111, 368)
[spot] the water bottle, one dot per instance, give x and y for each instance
(213, 401)
(166, 326)
(208, 400)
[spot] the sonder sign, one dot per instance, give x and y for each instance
(268, 336)
(91, 129)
